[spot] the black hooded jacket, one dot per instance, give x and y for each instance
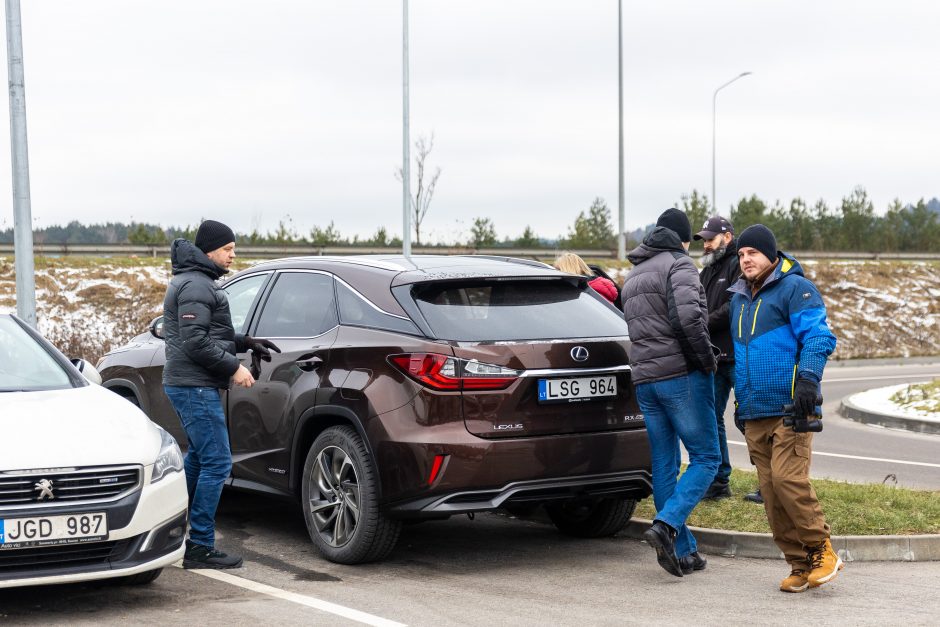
(716, 279)
(664, 306)
(197, 325)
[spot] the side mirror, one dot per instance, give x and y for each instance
(88, 371)
(156, 327)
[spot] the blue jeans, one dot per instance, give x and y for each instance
(209, 459)
(724, 381)
(683, 409)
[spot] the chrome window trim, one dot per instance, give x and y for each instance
(371, 304)
(71, 503)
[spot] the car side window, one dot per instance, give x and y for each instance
(241, 294)
(301, 304)
(355, 310)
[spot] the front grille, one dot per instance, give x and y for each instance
(23, 488)
(65, 556)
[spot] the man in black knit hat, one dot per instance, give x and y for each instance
(201, 344)
(672, 364)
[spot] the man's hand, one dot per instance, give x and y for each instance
(242, 377)
(261, 347)
(804, 398)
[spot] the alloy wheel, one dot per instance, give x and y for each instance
(335, 497)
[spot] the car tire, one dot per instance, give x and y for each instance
(595, 518)
(340, 500)
(140, 579)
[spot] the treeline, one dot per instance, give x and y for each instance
(853, 225)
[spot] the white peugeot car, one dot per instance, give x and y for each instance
(89, 487)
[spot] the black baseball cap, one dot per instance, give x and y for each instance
(714, 226)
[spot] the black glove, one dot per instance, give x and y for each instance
(261, 347)
(804, 398)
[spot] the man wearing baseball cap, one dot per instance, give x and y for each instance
(720, 271)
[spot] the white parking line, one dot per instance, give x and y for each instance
(862, 458)
(293, 597)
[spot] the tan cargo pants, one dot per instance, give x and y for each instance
(782, 458)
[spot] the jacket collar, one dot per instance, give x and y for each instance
(657, 241)
(185, 257)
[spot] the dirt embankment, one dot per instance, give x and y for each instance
(88, 306)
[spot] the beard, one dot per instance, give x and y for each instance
(710, 258)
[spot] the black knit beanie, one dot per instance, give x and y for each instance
(760, 238)
(676, 221)
(213, 235)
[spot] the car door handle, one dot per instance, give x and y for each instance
(308, 363)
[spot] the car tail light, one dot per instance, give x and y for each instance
(441, 372)
(435, 468)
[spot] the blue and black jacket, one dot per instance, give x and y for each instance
(780, 334)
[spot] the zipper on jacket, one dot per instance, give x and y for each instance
(754, 321)
(740, 318)
(793, 382)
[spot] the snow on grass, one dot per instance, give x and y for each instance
(892, 401)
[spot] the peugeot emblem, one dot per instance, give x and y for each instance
(45, 489)
(579, 353)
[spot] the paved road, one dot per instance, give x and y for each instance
(490, 571)
(498, 570)
(856, 440)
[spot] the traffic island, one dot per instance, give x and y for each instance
(879, 407)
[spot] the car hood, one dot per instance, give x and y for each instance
(87, 426)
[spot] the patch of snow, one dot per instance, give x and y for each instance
(879, 401)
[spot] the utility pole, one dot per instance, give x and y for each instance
(621, 237)
(406, 141)
(22, 211)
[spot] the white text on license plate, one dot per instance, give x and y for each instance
(581, 388)
(17, 533)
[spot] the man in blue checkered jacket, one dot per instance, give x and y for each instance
(781, 344)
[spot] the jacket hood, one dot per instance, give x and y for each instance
(657, 241)
(788, 266)
(185, 257)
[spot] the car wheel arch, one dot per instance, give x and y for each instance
(126, 388)
(311, 424)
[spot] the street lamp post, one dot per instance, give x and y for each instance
(621, 238)
(406, 141)
(714, 125)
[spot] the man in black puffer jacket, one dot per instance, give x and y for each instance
(201, 344)
(720, 270)
(672, 364)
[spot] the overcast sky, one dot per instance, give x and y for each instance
(256, 112)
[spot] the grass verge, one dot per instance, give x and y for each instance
(851, 509)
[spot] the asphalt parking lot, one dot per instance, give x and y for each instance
(491, 570)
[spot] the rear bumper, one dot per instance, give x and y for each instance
(634, 484)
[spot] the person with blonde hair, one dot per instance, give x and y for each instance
(573, 264)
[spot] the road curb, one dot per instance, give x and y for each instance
(853, 411)
(920, 548)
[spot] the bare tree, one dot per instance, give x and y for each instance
(424, 191)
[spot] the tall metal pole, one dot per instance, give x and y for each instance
(621, 237)
(714, 125)
(406, 141)
(22, 212)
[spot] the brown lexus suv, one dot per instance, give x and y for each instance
(419, 388)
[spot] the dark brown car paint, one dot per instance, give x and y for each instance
(404, 424)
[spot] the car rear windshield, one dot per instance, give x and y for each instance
(24, 364)
(506, 310)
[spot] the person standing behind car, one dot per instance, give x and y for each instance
(719, 272)
(781, 344)
(573, 264)
(672, 364)
(201, 344)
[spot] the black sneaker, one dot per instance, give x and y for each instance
(662, 537)
(718, 490)
(754, 497)
(690, 562)
(200, 556)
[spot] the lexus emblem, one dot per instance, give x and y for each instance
(579, 353)
(45, 489)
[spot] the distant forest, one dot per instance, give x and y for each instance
(851, 226)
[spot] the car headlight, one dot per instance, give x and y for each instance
(169, 460)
